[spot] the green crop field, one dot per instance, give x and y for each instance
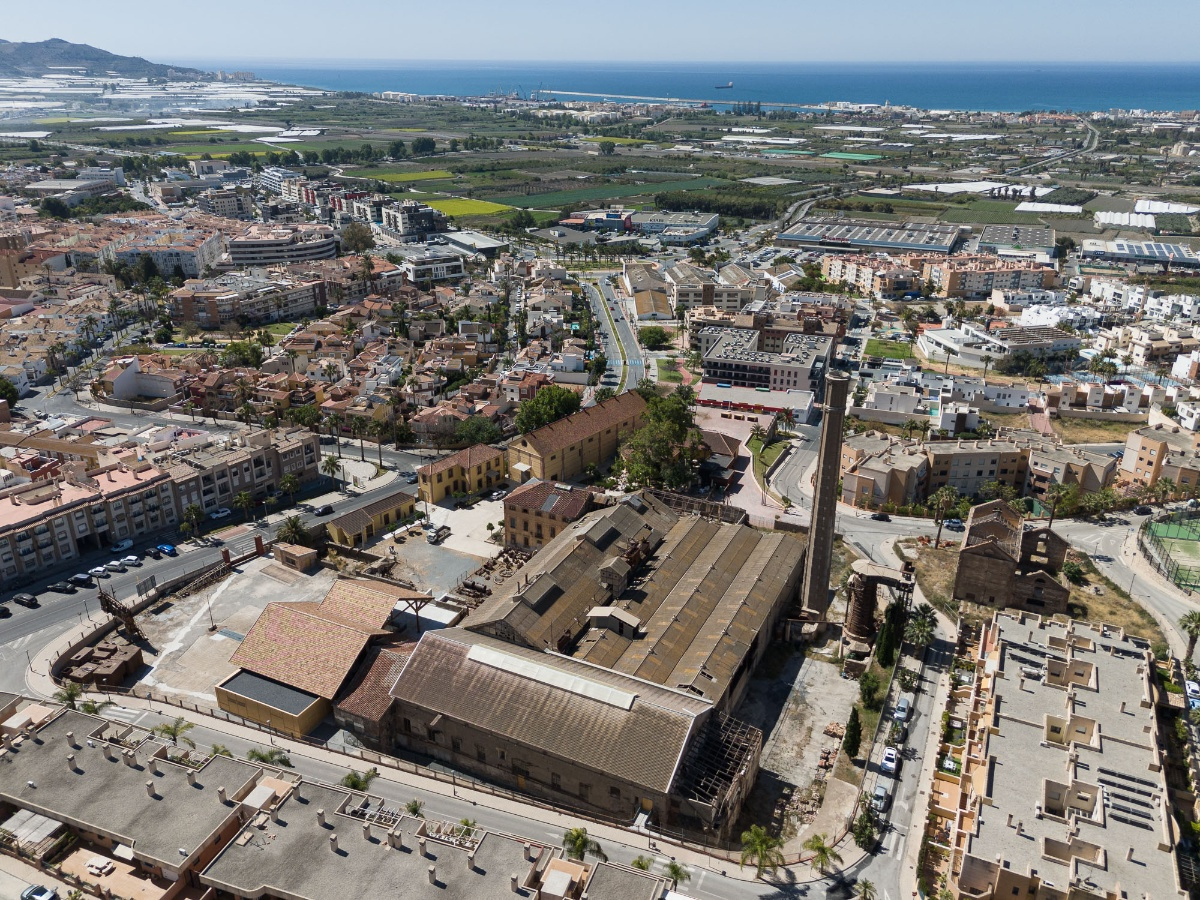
(616, 140)
(399, 175)
(461, 206)
(608, 192)
(855, 157)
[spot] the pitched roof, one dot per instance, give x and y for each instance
(367, 694)
(471, 456)
(589, 421)
(566, 502)
(364, 603)
(357, 519)
(294, 644)
(605, 721)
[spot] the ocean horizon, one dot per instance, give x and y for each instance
(993, 87)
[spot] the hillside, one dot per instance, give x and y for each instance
(17, 59)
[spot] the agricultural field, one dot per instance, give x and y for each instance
(461, 206)
(558, 199)
(399, 176)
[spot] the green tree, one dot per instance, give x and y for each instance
(824, 856)
(415, 808)
(853, 738)
(1073, 572)
(245, 502)
(604, 393)
(477, 430)
(1189, 622)
(653, 337)
(220, 750)
(943, 499)
(548, 405)
(761, 848)
(68, 695)
(292, 531)
(176, 732)
(607, 148)
(677, 872)
(272, 757)
(331, 465)
(8, 391)
(866, 890)
(642, 863)
(868, 689)
(357, 238)
(885, 644)
(193, 515)
(94, 708)
(866, 828)
(1059, 495)
(289, 484)
(359, 781)
(663, 450)
(578, 845)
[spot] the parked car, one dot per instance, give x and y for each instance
(325, 510)
(903, 710)
(1193, 688)
(498, 495)
(954, 524)
(881, 799)
(115, 565)
(881, 517)
(5, 612)
(412, 478)
(30, 601)
(131, 560)
(154, 553)
(168, 550)
(223, 512)
(82, 578)
(1143, 510)
(97, 572)
(39, 892)
(122, 546)
(891, 761)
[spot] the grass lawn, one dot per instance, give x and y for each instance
(1091, 431)
(461, 206)
(1113, 606)
(764, 457)
(891, 349)
(397, 176)
(668, 371)
(280, 329)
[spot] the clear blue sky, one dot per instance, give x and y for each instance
(646, 30)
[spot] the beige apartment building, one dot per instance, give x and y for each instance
(1161, 451)
(975, 277)
(214, 301)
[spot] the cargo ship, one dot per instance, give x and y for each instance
(723, 87)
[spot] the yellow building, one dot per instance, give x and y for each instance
(356, 528)
(562, 450)
(468, 471)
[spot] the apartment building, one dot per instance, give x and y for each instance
(272, 178)
(969, 344)
(1161, 451)
(432, 267)
(537, 511)
(226, 204)
(691, 287)
(255, 462)
(51, 521)
(411, 221)
(212, 302)
(734, 356)
(276, 244)
(872, 276)
(975, 277)
(877, 470)
(175, 249)
(562, 450)
(1059, 785)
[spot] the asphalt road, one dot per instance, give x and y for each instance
(626, 334)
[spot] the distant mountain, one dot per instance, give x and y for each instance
(38, 58)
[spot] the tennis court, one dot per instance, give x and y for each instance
(1174, 545)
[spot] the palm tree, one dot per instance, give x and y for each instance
(359, 781)
(677, 872)
(987, 364)
(919, 631)
(1165, 489)
(757, 431)
(763, 848)
(358, 428)
(866, 889)
(220, 750)
(193, 515)
(329, 370)
(92, 708)
(176, 732)
(68, 695)
(289, 484)
(271, 757)
(378, 428)
(642, 863)
(824, 855)
(330, 466)
(190, 408)
(1189, 622)
(578, 845)
(1055, 494)
(945, 497)
(335, 422)
(245, 502)
(292, 531)
(415, 808)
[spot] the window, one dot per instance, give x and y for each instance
(456, 745)
(584, 790)
(556, 781)
(480, 753)
(614, 792)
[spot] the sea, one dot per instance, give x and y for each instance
(1002, 87)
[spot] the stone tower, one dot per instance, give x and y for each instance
(814, 595)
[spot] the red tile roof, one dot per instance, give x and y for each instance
(471, 456)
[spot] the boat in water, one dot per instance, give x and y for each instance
(723, 87)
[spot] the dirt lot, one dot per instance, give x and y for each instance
(935, 572)
(1084, 431)
(1099, 600)
(792, 698)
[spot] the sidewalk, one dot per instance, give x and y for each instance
(41, 685)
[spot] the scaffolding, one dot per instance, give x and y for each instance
(720, 764)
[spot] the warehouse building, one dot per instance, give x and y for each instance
(836, 235)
